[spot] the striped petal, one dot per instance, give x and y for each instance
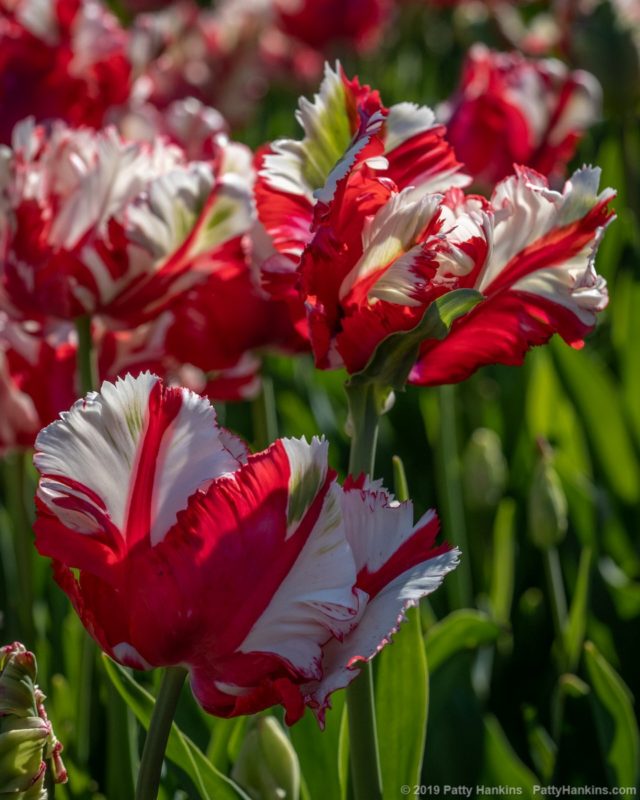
(127, 459)
(539, 277)
(398, 563)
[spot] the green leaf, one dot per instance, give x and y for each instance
(502, 767)
(542, 747)
(615, 719)
(577, 622)
(343, 753)
(318, 751)
(596, 397)
(573, 686)
(121, 752)
(211, 784)
(402, 696)
(503, 571)
(630, 366)
(224, 734)
(466, 629)
(393, 358)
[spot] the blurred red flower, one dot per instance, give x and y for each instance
(96, 224)
(512, 110)
(60, 59)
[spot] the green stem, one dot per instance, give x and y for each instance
(158, 734)
(557, 713)
(49, 783)
(84, 697)
(15, 467)
(265, 419)
(86, 381)
(122, 751)
(363, 737)
(364, 415)
(87, 368)
(459, 582)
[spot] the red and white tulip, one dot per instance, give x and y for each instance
(37, 371)
(60, 59)
(97, 224)
(347, 123)
(379, 258)
(259, 573)
(538, 277)
(513, 110)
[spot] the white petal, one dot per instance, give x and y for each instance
(315, 600)
(382, 617)
(526, 209)
(308, 472)
(345, 163)
(392, 231)
(95, 445)
(176, 208)
(301, 167)
(406, 120)
(193, 453)
(574, 285)
(93, 457)
(111, 173)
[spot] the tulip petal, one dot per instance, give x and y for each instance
(397, 565)
(118, 458)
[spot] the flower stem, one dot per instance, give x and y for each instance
(450, 493)
(15, 467)
(158, 734)
(364, 413)
(86, 382)
(87, 371)
(265, 420)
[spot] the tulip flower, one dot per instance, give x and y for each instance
(36, 380)
(60, 60)
(347, 123)
(28, 745)
(258, 573)
(380, 258)
(359, 23)
(224, 56)
(513, 110)
(538, 277)
(120, 227)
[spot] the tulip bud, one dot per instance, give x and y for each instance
(267, 766)
(27, 740)
(547, 506)
(484, 470)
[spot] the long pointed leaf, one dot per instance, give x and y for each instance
(461, 630)
(318, 751)
(577, 622)
(615, 719)
(211, 784)
(402, 695)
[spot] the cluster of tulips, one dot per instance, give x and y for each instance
(147, 261)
